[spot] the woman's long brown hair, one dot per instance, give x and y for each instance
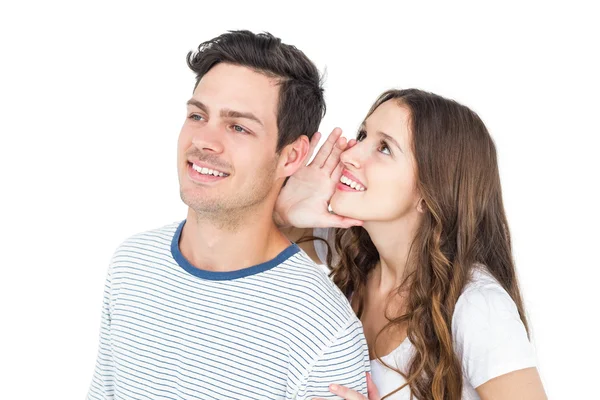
(464, 224)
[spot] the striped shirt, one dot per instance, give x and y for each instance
(277, 330)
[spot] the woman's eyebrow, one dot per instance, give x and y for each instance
(389, 138)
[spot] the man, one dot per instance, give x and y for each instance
(221, 305)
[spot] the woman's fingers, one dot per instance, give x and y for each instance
(314, 141)
(337, 173)
(372, 391)
(326, 149)
(349, 394)
(334, 157)
(336, 221)
(346, 393)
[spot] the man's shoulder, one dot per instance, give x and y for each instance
(154, 241)
(318, 314)
(304, 280)
(159, 236)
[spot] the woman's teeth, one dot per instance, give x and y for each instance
(207, 171)
(349, 182)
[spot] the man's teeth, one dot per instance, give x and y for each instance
(207, 171)
(347, 181)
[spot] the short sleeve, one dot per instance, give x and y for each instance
(320, 247)
(489, 336)
(345, 362)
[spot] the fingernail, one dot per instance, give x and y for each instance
(333, 387)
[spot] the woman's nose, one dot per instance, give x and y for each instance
(351, 156)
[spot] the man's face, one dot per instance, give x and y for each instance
(226, 153)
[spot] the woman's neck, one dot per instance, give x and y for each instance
(393, 240)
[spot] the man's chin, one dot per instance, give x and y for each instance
(200, 203)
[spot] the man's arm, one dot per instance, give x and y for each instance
(345, 362)
(102, 386)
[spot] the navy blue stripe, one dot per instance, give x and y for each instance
(227, 275)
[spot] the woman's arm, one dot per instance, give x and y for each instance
(492, 342)
(523, 384)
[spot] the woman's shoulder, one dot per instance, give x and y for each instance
(482, 286)
(489, 335)
(483, 301)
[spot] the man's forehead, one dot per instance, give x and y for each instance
(238, 79)
(239, 89)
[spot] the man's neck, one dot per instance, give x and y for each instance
(214, 245)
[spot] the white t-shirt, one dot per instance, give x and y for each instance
(489, 336)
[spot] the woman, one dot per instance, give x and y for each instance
(426, 260)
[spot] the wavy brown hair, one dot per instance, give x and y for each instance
(463, 224)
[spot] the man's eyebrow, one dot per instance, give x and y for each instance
(226, 113)
(198, 104)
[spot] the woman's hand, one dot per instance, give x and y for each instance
(304, 200)
(349, 394)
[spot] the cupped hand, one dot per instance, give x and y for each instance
(304, 200)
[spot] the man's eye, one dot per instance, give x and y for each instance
(196, 117)
(239, 129)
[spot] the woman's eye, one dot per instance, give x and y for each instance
(361, 136)
(384, 148)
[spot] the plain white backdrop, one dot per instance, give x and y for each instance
(92, 98)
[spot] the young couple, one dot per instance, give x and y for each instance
(423, 299)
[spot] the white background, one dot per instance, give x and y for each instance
(92, 97)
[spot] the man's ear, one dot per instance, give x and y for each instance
(293, 156)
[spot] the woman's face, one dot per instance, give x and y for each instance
(381, 167)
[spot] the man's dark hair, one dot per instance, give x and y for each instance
(301, 103)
